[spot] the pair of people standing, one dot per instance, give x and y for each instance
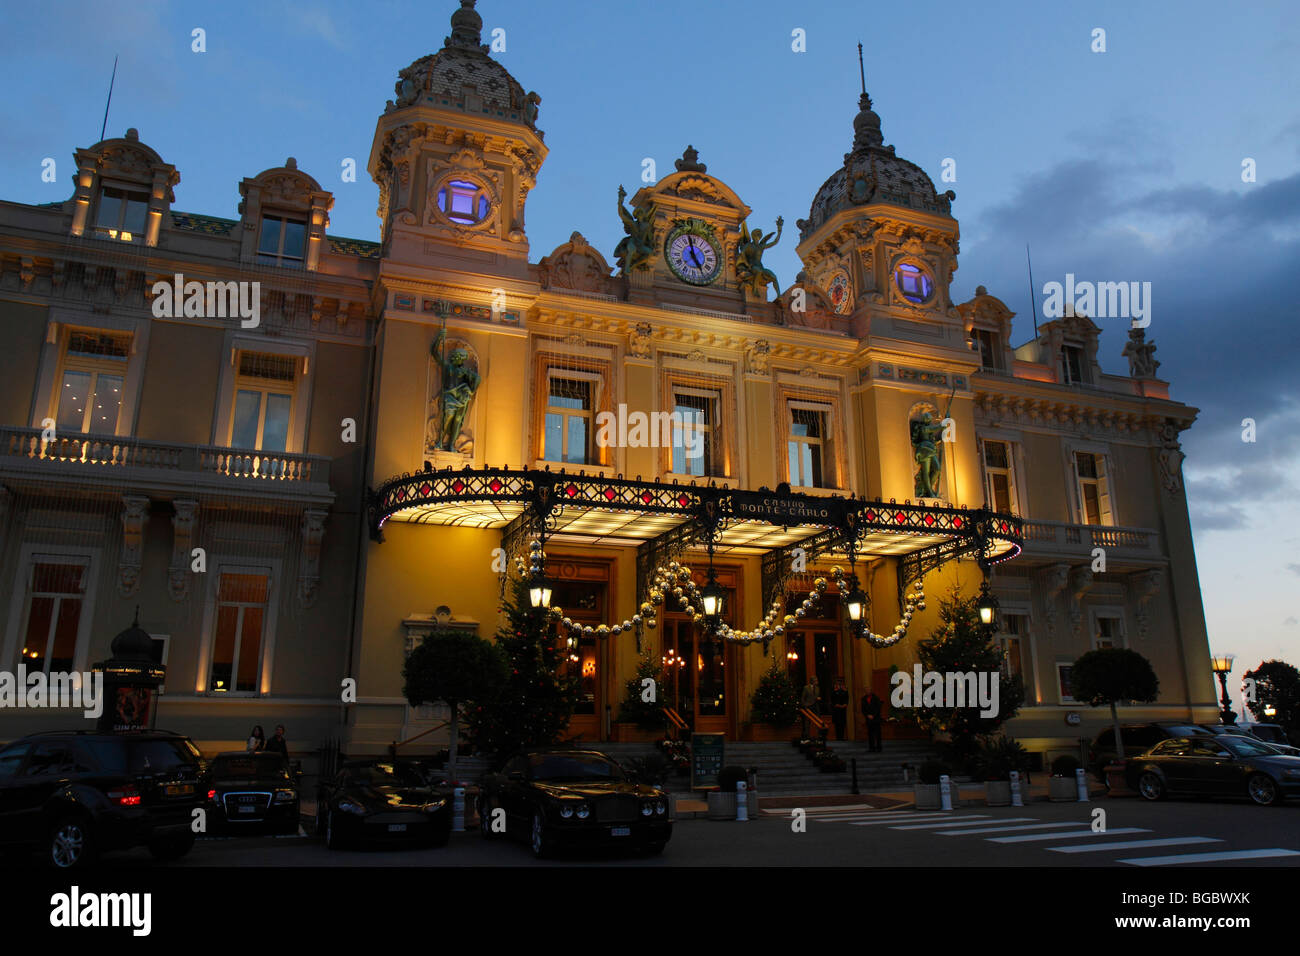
(257, 741)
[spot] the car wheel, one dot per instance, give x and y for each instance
(71, 843)
(1263, 790)
(540, 841)
(172, 848)
(1151, 786)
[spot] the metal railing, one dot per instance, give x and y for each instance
(115, 451)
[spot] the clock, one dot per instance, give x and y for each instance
(840, 292)
(692, 253)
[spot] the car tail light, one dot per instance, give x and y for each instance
(212, 794)
(126, 797)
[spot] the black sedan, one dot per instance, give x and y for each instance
(252, 792)
(1226, 765)
(557, 799)
(382, 801)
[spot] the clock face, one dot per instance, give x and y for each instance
(840, 292)
(693, 258)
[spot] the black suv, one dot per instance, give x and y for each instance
(1138, 739)
(76, 794)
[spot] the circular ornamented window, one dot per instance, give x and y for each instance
(464, 201)
(840, 291)
(913, 282)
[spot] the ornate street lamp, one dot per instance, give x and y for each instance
(853, 599)
(539, 588)
(1221, 664)
(987, 605)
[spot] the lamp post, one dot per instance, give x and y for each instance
(853, 599)
(1221, 664)
(539, 588)
(712, 596)
(987, 605)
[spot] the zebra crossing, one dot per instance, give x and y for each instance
(1065, 836)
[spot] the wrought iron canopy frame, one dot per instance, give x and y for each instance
(522, 499)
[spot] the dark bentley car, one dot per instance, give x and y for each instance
(570, 798)
(252, 791)
(382, 801)
(77, 794)
(1226, 765)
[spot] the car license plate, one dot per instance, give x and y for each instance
(396, 827)
(620, 831)
(179, 789)
(248, 809)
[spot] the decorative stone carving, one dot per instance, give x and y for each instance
(574, 265)
(1081, 581)
(1171, 457)
(178, 571)
(757, 356)
(1140, 354)
(639, 340)
(447, 414)
(1144, 586)
(313, 531)
(135, 513)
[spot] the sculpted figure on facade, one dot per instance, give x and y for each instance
(458, 382)
(753, 276)
(638, 247)
(927, 449)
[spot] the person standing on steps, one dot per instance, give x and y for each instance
(871, 713)
(839, 708)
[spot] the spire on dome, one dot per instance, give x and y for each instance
(466, 27)
(866, 125)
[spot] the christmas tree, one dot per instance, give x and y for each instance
(775, 700)
(535, 704)
(643, 703)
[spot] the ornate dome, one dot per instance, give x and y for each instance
(872, 173)
(462, 76)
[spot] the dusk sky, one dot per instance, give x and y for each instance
(1117, 166)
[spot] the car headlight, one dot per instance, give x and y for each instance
(583, 811)
(566, 810)
(647, 809)
(347, 806)
(285, 796)
(661, 807)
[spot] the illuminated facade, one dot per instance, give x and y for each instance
(450, 345)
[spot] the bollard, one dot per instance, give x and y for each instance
(458, 810)
(742, 802)
(945, 794)
(1081, 779)
(1015, 789)
(854, 762)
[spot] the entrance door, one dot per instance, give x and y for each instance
(586, 603)
(699, 669)
(814, 651)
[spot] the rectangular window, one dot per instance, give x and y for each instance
(1016, 659)
(1063, 682)
(121, 214)
(989, 348)
(264, 393)
(569, 417)
(1072, 365)
(1093, 489)
(807, 447)
(56, 593)
(237, 644)
(694, 430)
(1109, 633)
(1000, 475)
(91, 377)
(283, 241)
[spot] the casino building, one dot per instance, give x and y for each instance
(858, 410)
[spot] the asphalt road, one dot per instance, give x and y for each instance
(1044, 834)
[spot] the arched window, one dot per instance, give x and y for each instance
(913, 282)
(464, 201)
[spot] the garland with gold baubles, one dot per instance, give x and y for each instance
(674, 581)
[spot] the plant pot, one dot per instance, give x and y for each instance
(1062, 790)
(722, 806)
(997, 793)
(926, 796)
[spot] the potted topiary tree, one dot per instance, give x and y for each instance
(774, 707)
(925, 792)
(997, 757)
(641, 712)
(1061, 785)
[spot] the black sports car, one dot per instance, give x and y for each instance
(567, 798)
(382, 801)
(1225, 765)
(256, 791)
